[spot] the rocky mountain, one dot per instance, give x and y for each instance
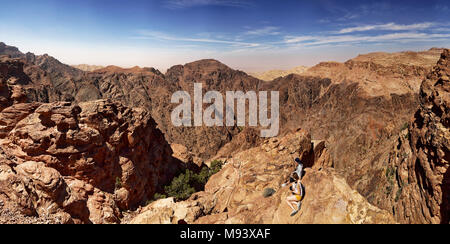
(142, 87)
(273, 74)
(304, 98)
(412, 184)
(381, 74)
(425, 59)
(81, 163)
(9, 51)
(353, 112)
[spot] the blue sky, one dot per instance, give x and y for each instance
(251, 35)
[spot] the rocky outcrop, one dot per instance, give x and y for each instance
(9, 51)
(81, 162)
(322, 156)
(418, 169)
(246, 139)
(235, 194)
(12, 78)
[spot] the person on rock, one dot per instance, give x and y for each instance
(295, 199)
(298, 170)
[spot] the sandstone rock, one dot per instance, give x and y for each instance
(234, 195)
(420, 160)
(322, 157)
(11, 79)
(358, 111)
(181, 152)
(85, 160)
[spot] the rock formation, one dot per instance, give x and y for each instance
(81, 163)
(418, 165)
(88, 153)
(235, 194)
(11, 79)
(9, 51)
(305, 101)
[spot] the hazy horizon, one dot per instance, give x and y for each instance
(248, 35)
(251, 71)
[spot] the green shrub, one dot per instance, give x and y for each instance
(181, 187)
(390, 177)
(399, 194)
(159, 196)
(187, 183)
(216, 166)
(118, 184)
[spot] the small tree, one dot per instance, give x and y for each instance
(216, 166)
(187, 183)
(181, 188)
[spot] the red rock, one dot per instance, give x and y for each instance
(85, 160)
(235, 194)
(422, 154)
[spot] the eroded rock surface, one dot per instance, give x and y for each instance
(235, 194)
(357, 109)
(419, 163)
(83, 162)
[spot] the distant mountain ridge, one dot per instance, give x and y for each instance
(9, 50)
(381, 74)
(273, 74)
(87, 67)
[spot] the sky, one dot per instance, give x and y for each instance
(250, 35)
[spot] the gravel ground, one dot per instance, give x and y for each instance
(8, 216)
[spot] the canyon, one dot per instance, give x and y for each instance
(88, 146)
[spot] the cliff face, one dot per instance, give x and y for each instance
(12, 78)
(419, 163)
(235, 194)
